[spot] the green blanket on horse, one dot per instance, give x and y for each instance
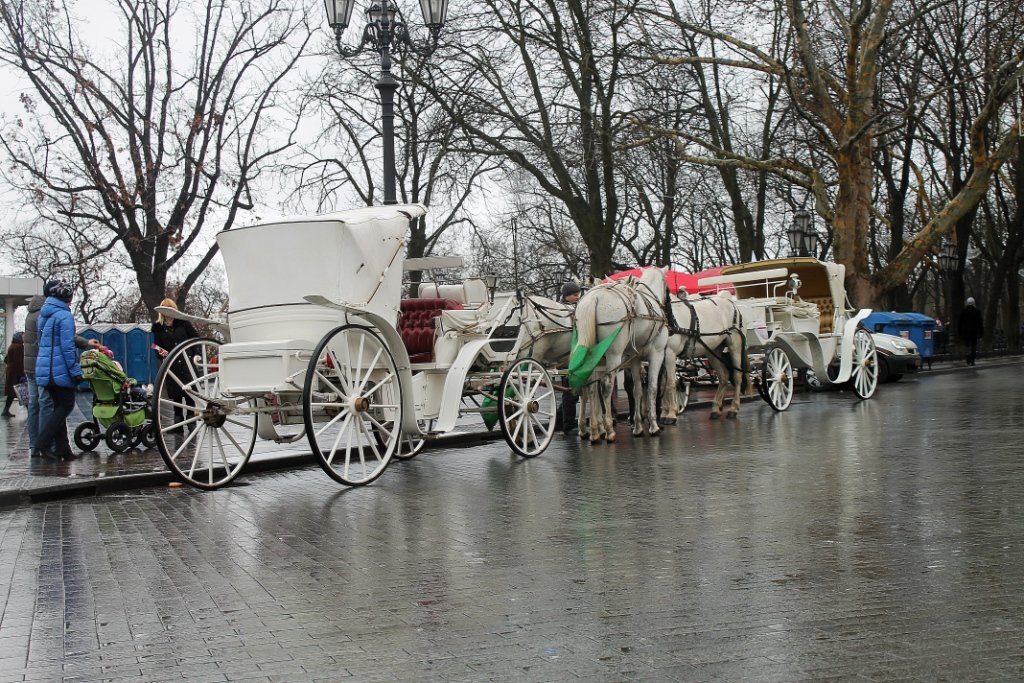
(583, 360)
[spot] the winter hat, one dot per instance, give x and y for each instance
(970, 301)
(59, 289)
(570, 288)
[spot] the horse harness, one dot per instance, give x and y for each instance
(693, 334)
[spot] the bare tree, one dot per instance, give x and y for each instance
(134, 149)
(832, 79)
(537, 85)
(343, 160)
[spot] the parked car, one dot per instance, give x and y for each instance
(897, 356)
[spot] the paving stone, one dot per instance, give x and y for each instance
(840, 540)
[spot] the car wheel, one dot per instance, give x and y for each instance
(883, 370)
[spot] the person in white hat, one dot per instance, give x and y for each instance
(970, 328)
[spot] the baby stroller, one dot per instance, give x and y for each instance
(118, 406)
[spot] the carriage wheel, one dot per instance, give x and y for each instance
(210, 445)
(777, 379)
(352, 405)
(526, 407)
(682, 395)
(864, 378)
(409, 446)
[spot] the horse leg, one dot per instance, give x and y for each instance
(669, 403)
(655, 359)
(737, 380)
(607, 409)
(583, 421)
(595, 407)
(640, 396)
(723, 378)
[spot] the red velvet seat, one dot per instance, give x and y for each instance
(416, 325)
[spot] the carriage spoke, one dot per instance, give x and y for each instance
(355, 445)
(209, 419)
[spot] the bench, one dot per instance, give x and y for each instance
(470, 293)
(416, 325)
(827, 309)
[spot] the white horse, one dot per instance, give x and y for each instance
(637, 306)
(708, 327)
(545, 330)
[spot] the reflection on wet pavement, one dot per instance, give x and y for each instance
(840, 540)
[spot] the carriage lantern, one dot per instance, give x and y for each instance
(491, 282)
(386, 30)
(802, 236)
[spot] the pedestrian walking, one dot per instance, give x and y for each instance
(566, 418)
(970, 327)
(57, 369)
(39, 405)
(168, 332)
(14, 373)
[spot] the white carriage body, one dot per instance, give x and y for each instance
(353, 257)
(810, 323)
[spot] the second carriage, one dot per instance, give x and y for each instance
(798, 319)
(320, 345)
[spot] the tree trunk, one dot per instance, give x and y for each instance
(851, 216)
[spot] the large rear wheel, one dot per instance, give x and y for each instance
(864, 377)
(352, 405)
(204, 436)
(526, 407)
(777, 379)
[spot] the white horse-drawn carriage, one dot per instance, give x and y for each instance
(796, 317)
(772, 320)
(319, 343)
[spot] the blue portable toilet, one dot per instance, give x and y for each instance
(90, 333)
(916, 327)
(113, 339)
(139, 354)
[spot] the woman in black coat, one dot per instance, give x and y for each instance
(14, 373)
(168, 333)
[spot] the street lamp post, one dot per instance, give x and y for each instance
(947, 264)
(803, 238)
(387, 31)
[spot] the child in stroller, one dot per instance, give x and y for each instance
(119, 406)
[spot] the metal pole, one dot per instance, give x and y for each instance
(387, 86)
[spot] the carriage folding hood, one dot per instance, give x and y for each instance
(351, 257)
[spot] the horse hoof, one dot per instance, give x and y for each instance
(610, 438)
(731, 416)
(666, 422)
(715, 416)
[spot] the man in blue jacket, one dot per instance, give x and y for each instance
(57, 369)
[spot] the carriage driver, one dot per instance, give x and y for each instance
(567, 410)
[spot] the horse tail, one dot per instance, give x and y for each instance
(586, 322)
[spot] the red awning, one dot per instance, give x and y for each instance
(677, 279)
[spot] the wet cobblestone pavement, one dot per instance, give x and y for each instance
(840, 540)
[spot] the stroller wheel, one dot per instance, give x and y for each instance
(87, 436)
(119, 437)
(147, 437)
